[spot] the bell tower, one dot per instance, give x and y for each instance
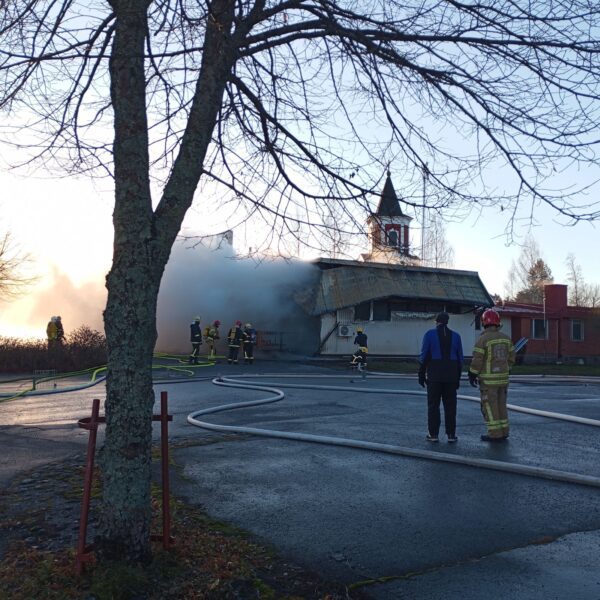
(389, 230)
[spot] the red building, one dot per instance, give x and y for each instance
(555, 331)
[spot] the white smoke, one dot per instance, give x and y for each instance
(210, 283)
(216, 284)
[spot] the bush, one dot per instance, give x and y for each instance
(82, 349)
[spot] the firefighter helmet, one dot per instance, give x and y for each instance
(490, 317)
(217, 323)
(248, 325)
(238, 323)
(359, 330)
(197, 319)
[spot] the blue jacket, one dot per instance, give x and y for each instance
(442, 355)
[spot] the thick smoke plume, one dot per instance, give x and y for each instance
(211, 283)
(215, 284)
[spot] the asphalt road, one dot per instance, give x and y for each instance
(403, 527)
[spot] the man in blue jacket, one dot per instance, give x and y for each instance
(440, 367)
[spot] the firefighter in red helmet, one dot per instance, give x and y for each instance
(493, 355)
(234, 338)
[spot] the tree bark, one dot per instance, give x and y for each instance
(142, 245)
(130, 315)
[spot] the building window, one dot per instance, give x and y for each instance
(362, 311)
(539, 329)
(381, 310)
(392, 236)
(577, 330)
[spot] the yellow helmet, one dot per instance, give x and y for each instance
(197, 319)
(359, 330)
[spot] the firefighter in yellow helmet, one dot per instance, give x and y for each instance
(234, 339)
(359, 358)
(493, 355)
(52, 331)
(211, 335)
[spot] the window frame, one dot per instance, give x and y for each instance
(572, 327)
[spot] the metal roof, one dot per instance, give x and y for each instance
(348, 283)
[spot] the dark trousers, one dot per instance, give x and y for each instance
(233, 354)
(249, 353)
(446, 393)
(195, 350)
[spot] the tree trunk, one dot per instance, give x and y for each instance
(130, 316)
(142, 244)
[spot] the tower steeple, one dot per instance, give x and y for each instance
(389, 229)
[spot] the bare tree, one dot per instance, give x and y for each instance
(13, 280)
(438, 251)
(580, 292)
(278, 102)
(576, 281)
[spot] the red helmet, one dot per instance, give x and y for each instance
(217, 323)
(238, 322)
(490, 317)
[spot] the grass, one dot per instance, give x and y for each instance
(209, 560)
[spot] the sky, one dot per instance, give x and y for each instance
(65, 226)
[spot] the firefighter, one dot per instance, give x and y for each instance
(249, 341)
(493, 355)
(211, 335)
(60, 330)
(440, 368)
(52, 332)
(234, 339)
(196, 339)
(359, 358)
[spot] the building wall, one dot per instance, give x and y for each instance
(400, 337)
(559, 346)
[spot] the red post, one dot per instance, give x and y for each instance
(87, 485)
(164, 441)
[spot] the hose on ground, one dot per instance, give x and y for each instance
(518, 469)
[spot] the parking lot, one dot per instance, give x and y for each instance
(397, 526)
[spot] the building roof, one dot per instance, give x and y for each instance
(389, 206)
(345, 283)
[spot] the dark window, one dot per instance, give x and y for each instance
(381, 310)
(362, 312)
(392, 237)
(538, 329)
(478, 321)
(577, 330)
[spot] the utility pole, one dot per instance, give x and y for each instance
(425, 175)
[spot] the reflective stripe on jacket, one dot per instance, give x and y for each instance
(493, 355)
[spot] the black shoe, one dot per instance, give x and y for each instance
(452, 439)
(432, 438)
(487, 438)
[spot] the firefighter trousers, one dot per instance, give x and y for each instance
(233, 354)
(248, 353)
(493, 409)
